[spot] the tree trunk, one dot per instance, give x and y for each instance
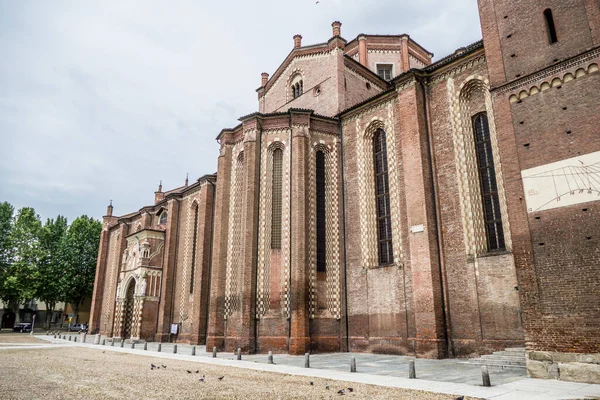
(49, 312)
(14, 307)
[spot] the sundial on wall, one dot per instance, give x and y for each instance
(562, 183)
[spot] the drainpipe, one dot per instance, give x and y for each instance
(438, 224)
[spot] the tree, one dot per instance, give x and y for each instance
(79, 251)
(49, 285)
(6, 246)
(20, 275)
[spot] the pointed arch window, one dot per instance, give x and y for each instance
(194, 247)
(382, 191)
(321, 235)
(489, 186)
(162, 219)
(276, 193)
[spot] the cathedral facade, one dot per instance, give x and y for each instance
(381, 202)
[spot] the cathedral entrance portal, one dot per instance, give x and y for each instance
(128, 310)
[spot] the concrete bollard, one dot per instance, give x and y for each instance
(145, 345)
(239, 353)
(214, 352)
(193, 350)
(412, 374)
(133, 345)
(122, 343)
(485, 376)
(159, 347)
(307, 360)
(103, 342)
(174, 349)
(353, 364)
(270, 358)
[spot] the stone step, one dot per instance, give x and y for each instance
(480, 361)
(497, 365)
(516, 349)
(503, 357)
(508, 354)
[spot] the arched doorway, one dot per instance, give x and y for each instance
(8, 320)
(128, 309)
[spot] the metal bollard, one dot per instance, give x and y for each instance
(145, 345)
(103, 342)
(122, 343)
(112, 343)
(239, 353)
(193, 350)
(307, 360)
(175, 349)
(270, 358)
(485, 376)
(75, 339)
(70, 337)
(159, 347)
(214, 352)
(133, 345)
(353, 364)
(412, 374)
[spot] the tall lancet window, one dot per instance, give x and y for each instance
(489, 187)
(382, 191)
(194, 247)
(320, 212)
(276, 200)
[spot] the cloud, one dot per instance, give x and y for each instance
(101, 100)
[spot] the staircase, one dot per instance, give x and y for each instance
(511, 357)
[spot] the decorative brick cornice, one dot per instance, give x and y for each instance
(548, 72)
(460, 67)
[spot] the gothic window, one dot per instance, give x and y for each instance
(162, 219)
(297, 86)
(320, 212)
(487, 180)
(194, 247)
(552, 38)
(276, 200)
(382, 191)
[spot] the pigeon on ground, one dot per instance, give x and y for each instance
(341, 392)
(350, 390)
(202, 379)
(311, 383)
(327, 386)
(460, 398)
(197, 370)
(188, 371)
(221, 378)
(164, 366)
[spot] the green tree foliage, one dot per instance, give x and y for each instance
(6, 247)
(49, 286)
(79, 251)
(20, 280)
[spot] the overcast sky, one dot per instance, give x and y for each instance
(100, 100)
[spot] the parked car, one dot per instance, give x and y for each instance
(78, 328)
(22, 327)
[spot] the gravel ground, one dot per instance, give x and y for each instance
(79, 373)
(19, 338)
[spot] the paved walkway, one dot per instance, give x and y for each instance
(440, 376)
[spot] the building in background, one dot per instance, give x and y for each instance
(381, 202)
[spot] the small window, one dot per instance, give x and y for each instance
(552, 38)
(162, 219)
(385, 71)
(297, 89)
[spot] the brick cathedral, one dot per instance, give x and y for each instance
(381, 202)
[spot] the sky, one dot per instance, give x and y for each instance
(101, 100)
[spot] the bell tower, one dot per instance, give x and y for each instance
(523, 37)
